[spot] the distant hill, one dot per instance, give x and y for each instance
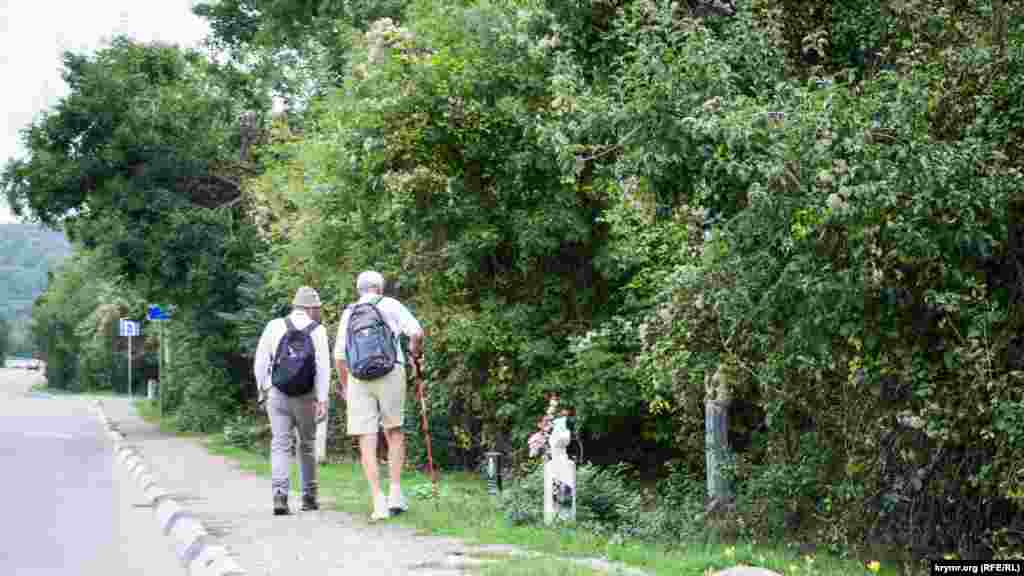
(27, 252)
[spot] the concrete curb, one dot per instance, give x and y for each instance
(195, 547)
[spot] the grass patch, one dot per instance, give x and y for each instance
(43, 387)
(539, 567)
(149, 411)
(246, 460)
(467, 512)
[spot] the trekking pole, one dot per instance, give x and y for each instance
(426, 430)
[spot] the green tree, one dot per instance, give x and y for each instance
(5, 339)
(298, 49)
(70, 297)
(27, 253)
(433, 160)
(142, 160)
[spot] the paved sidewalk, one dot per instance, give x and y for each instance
(235, 506)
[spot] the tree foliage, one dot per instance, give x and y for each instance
(27, 254)
(5, 338)
(299, 49)
(141, 162)
(618, 201)
(74, 325)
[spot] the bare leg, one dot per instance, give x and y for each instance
(368, 452)
(396, 459)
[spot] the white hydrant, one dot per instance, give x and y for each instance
(559, 477)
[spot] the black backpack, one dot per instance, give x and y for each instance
(294, 366)
(370, 350)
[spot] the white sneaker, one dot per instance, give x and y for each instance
(380, 509)
(397, 505)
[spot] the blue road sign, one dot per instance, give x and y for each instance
(129, 327)
(157, 313)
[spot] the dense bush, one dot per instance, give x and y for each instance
(847, 290)
(443, 444)
(248, 432)
(605, 499)
(609, 502)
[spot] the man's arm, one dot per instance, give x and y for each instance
(339, 355)
(342, 377)
(262, 361)
(410, 326)
(323, 365)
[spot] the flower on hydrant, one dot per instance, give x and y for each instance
(538, 440)
(874, 566)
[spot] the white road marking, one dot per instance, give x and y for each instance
(57, 435)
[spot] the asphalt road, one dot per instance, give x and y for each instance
(66, 507)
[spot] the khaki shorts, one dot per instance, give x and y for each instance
(372, 403)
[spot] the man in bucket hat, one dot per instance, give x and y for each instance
(293, 372)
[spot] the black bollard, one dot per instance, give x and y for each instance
(493, 472)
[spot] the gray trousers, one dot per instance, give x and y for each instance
(286, 413)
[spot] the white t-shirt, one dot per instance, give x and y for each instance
(397, 316)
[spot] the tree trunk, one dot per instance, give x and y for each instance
(999, 26)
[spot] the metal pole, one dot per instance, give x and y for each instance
(493, 472)
(160, 372)
(129, 365)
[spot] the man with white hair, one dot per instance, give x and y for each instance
(293, 374)
(372, 376)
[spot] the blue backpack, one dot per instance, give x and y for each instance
(294, 366)
(370, 350)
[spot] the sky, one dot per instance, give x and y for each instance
(34, 34)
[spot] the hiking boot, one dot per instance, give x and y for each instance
(380, 509)
(309, 503)
(281, 505)
(397, 505)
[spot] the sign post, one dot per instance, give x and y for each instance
(129, 328)
(156, 314)
(160, 372)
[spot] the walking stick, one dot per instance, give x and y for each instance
(426, 428)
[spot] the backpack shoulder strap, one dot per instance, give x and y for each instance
(380, 315)
(313, 325)
(288, 327)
